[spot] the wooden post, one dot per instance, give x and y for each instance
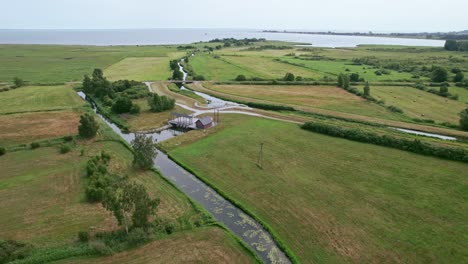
(260, 156)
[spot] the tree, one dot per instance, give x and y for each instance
(177, 75)
(18, 82)
(459, 77)
(439, 74)
(346, 81)
(87, 85)
(289, 77)
(366, 90)
(451, 45)
(354, 77)
(340, 80)
(130, 204)
(88, 126)
(241, 78)
(464, 119)
(122, 105)
(143, 151)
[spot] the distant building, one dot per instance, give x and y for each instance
(204, 122)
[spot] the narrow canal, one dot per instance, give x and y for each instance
(241, 224)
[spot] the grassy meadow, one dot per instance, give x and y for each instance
(39, 98)
(142, 69)
(420, 104)
(57, 64)
(333, 200)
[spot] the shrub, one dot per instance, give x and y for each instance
(354, 77)
(101, 248)
(18, 82)
(35, 145)
(65, 148)
(137, 237)
(135, 109)
(464, 119)
(83, 236)
(395, 109)
(11, 250)
(2, 151)
(289, 77)
(164, 225)
(459, 77)
(68, 138)
(199, 78)
(122, 105)
(159, 104)
(241, 78)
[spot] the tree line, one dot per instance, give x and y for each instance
(416, 146)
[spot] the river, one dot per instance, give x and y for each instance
(241, 224)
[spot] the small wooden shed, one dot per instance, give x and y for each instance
(204, 122)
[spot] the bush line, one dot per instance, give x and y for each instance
(415, 146)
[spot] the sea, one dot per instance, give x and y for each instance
(107, 37)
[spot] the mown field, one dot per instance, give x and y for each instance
(39, 98)
(420, 104)
(58, 64)
(333, 200)
(142, 69)
(308, 97)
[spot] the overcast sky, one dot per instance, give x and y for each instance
(342, 15)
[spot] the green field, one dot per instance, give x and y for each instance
(334, 200)
(55, 64)
(141, 69)
(420, 104)
(39, 98)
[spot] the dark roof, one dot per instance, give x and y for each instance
(206, 120)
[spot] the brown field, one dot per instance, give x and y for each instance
(204, 245)
(27, 127)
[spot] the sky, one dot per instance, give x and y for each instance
(333, 15)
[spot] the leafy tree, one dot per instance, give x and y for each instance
(177, 75)
(340, 80)
(2, 151)
(173, 64)
(346, 81)
(354, 77)
(143, 151)
(464, 119)
(299, 79)
(18, 82)
(130, 204)
(439, 74)
(122, 105)
(241, 78)
(459, 77)
(88, 126)
(366, 90)
(289, 77)
(451, 45)
(135, 109)
(88, 85)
